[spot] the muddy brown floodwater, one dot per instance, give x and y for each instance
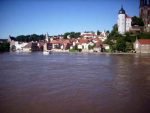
(74, 83)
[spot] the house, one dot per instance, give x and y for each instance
(56, 44)
(27, 48)
(63, 44)
(103, 36)
(142, 46)
(98, 45)
(83, 44)
(106, 47)
(40, 45)
(15, 45)
(66, 44)
(88, 35)
(12, 40)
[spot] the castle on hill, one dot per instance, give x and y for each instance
(124, 21)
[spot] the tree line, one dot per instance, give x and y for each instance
(4, 46)
(124, 43)
(29, 38)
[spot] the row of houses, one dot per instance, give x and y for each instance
(86, 42)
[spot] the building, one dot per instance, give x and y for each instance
(15, 45)
(103, 36)
(142, 46)
(124, 21)
(88, 35)
(145, 14)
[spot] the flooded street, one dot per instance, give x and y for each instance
(74, 83)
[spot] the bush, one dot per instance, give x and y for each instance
(4, 47)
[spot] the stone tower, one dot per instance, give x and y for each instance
(122, 21)
(145, 14)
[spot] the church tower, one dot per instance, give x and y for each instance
(145, 14)
(122, 21)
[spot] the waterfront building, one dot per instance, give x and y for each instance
(15, 45)
(27, 48)
(145, 14)
(124, 21)
(142, 46)
(83, 44)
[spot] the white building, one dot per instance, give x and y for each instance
(128, 23)
(88, 35)
(124, 21)
(103, 36)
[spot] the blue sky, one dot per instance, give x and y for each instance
(25, 17)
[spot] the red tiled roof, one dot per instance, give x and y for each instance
(66, 41)
(56, 41)
(144, 41)
(97, 39)
(128, 16)
(83, 41)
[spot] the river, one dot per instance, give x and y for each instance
(74, 83)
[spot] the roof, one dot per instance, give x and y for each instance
(128, 16)
(122, 11)
(83, 41)
(97, 40)
(66, 41)
(56, 42)
(29, 45)
(12, 38)
(144, 41)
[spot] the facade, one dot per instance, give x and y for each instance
(15, 45)
(145, 14)
(128, 23)
(88, 35)
(83, 44)
(103, 36)
(27, 48)
(142, 46)
(124, 21)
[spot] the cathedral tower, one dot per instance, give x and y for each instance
(145, 14)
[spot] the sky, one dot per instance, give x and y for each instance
(24, 17)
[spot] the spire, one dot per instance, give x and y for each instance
(121, 6)
(46, 37)
(122, 11)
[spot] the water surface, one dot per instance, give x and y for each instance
(74, 83)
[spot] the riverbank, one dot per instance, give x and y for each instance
(92, 52)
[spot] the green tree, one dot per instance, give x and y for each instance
(98, 32)
(4, 47)
(72, 34)
(121, 45)
(28, 38)
(137, 21)
(66, 34)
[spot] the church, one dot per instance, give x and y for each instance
(124, 21)
(145, 14)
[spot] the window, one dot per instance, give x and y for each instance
(148, 12)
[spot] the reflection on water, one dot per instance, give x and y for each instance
(74, 83)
